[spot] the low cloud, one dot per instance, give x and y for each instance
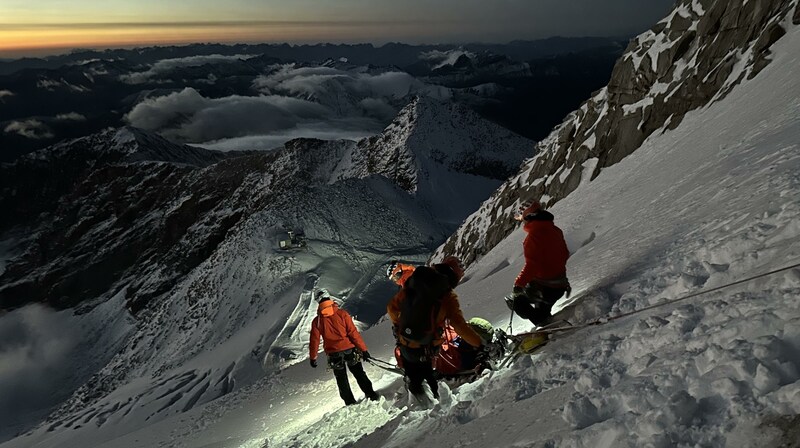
(440, 59)
(35, 347)
(314, 102)
(4, 94)
(266, 142)
(33, 129)
(189, 116)
(328, 85)
(166, 66)
(72, 116)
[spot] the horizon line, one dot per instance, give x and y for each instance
(52, 51)
(202, 23)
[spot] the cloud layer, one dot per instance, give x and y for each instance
(35, 346)
(292, 102)
(31, 128)
(441, 58)
(166, 66)
(71, 116)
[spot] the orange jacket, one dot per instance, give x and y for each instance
(405, 271)
(448, 360)
(449, 313)
(336, 328)
(546, 253)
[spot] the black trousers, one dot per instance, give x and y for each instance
(419, 372)
(537, 303)
(357, 369)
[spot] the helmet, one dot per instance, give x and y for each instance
(455, 264)
(483, 327)
(321, 295)
(529, 208)
(390, 270)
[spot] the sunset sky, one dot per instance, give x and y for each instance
(34, 27)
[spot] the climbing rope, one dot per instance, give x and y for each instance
(386, 366)
(605, 320)
(517, 340)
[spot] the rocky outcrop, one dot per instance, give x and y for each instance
(796, 18)
(693, 57)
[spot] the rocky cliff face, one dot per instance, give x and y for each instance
(100, 210)
(693, 57)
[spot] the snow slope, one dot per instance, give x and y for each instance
(714, 201)
(183, 243)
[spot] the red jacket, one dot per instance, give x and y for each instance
(336, 328)
(546, 253)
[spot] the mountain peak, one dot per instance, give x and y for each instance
(428, 130)
(126, 144)
(139, 145)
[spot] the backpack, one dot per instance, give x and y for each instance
(424, 292)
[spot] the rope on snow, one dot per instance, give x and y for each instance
(605, 320)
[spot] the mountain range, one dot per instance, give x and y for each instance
(324, 91)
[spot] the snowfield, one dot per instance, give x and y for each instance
(713, 202)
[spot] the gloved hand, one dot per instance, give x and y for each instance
(491, 351)
(366, 355)
(313, 363)
(482, 358)
(518, 293)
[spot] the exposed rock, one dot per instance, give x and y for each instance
(695, 56)
(796, 18)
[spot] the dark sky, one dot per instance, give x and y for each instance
(35, 25)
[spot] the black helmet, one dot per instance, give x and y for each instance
(322, 295)
(390, 269)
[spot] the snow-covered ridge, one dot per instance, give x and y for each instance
(694, 57)
(126, 144)
(430, 131)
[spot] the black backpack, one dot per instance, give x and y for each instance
(424, 292)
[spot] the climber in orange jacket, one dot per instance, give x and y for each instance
(543, 279)
(420, 311)
(343, 346)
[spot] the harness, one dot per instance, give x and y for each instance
(349, 357)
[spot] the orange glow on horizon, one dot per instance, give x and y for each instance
(19, 39)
